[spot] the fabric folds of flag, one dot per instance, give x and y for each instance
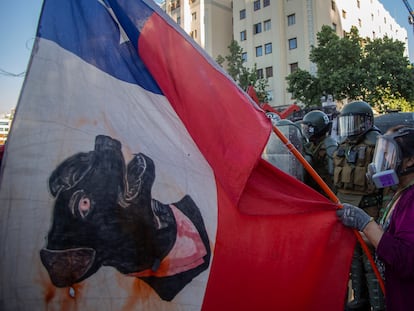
(133, 179)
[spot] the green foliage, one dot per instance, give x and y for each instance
(242, 75)
(357, 69)
(304, 87)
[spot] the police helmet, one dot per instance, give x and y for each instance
(355, 119)
(315, 124)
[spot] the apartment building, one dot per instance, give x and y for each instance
(277, 35)
(208, 22)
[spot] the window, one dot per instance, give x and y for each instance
(256, 5)
(268, 48)
(242, 14)
(343, 14)
(259, 73)
(269, 72)
(243, 35)
(259, 51)
(358, 4)
(293, 67)
(334, 26)
(373, 35)
(178, 20)
(291, 19)
(359, 22)
(333, 5)
(194, 16)
(385, 20)
(193, 34)
(244, 57)
(372, 17)
(257, 28)
(267, 25)
(293, 44)
(266, 3)
(175, 5)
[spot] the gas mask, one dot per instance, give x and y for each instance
(386, 165)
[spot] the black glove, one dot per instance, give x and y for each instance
(354, 217)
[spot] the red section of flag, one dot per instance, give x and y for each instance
(279, 245)
(229, 130)
(295, 258)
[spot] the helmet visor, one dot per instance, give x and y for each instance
(355, 124)
(386, 154)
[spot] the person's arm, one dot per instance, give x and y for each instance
(373, 233)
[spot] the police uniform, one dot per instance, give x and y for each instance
(319, 154)
(319, 149)
(351, 161)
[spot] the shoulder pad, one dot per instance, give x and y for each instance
(371, 137)
(329, 141)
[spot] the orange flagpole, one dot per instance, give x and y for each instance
(331, 195)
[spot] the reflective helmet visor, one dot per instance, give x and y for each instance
(355, 124)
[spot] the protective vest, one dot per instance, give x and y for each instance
(351, 162)
(320, 157)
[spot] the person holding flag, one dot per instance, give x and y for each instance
(393, 235)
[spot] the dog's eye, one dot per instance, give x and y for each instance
(84, 206)
(80, 204)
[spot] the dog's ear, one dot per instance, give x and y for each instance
(139, 180)
(70, 172)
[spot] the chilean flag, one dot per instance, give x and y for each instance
(133, 180)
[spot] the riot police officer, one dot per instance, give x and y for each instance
(277, 153)
(320, 147)
(358, 135)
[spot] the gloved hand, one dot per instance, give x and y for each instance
(354, 217)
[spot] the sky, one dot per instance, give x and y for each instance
(18, 24)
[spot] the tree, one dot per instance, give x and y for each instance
(338, 62)
(304, 87)
(242, 75)
(357, 69)
(387, 71)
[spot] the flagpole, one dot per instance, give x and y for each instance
(331, 196)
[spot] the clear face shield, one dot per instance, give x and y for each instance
(387, 157)
(353, 125)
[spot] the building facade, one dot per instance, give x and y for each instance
(277, 35)
(208, 22)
